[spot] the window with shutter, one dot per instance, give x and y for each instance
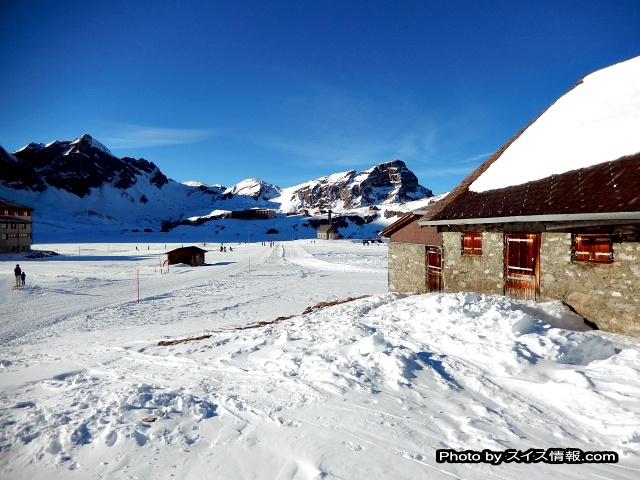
(472, 243)
(592, 248)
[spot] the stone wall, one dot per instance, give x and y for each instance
(407, 267)
(479, 273)
(606, 294)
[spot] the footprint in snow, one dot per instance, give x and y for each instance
(111, 438)
(141, 438)
(352, 446)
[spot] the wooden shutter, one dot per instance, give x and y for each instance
(592, 248)
(472, 243)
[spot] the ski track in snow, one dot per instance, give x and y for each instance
(360, 390)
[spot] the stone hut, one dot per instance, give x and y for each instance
(327, 232)
(555, 213)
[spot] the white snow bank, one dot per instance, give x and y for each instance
(368, 389)
(538, 340)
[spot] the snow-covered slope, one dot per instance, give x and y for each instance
(368, 389)
(595, 122)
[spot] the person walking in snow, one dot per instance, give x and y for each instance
(18, 272)
(23, 277)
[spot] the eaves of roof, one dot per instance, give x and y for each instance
(607, 190)
(188, 249)
(398, 224)
(579, 217)
(11, 204)
(9, 219)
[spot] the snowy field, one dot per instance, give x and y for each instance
(368, 389)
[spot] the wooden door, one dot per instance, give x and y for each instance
(522, 265)
(434, 269)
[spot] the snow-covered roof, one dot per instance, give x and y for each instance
(578, 161)
(595, 122)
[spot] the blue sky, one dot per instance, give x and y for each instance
(288, 91)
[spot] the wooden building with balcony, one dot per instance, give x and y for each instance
(16, 227)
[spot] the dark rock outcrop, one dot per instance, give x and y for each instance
(76, 167)
(385, 183)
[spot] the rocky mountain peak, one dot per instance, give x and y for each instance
(76, 166)
(387, 182)
(254, 188)
(88, 145)
(87, 169)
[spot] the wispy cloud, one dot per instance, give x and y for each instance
(328, 150)
(459, 168)
(476, 158)
(138, 136)
(444, 171)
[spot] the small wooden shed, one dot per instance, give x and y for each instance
(193, 256)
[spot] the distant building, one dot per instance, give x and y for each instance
(328, 232)
(254, 214)
(16, 227)
(193, 256)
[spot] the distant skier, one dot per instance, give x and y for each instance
(18, 272)
(23, 277)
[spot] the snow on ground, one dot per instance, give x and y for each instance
(367, 389)
(595, 122)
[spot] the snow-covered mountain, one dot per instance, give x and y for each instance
(386, 183)
(76, 167)
(82, 183)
